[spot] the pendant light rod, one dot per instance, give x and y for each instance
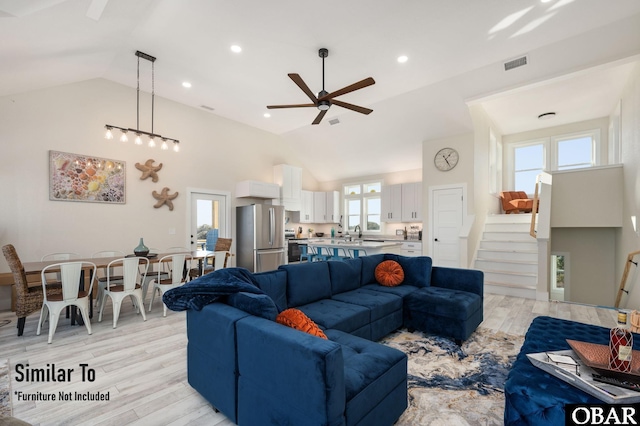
(152, 135)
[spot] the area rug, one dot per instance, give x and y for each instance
(453, 385)
(5, 389)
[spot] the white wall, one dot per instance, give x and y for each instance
(627, 240)
(592, 263)
(589, 197)
(215, 154)
(464, 172)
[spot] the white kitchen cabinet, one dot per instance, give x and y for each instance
(412, 202)
(411, 249)
(333, 207)
(391, 203)
(326, 207)
(306, 207)
(256, 189)
(320, 207)
(289, 178)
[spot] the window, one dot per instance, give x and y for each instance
(363, 206)
(563, 152)
(575, 152)
(528, 163)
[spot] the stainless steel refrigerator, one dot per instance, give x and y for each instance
(260, 237)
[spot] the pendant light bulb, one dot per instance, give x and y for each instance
(152, 142)
(123, 137)
(109, 134)
(176, 148)
(138, 139)
(164, 145)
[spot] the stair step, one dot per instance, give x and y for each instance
(515, 278)
(527, 292)
(496, 254)
(507, 236)
(511, 266)
(507, 227)
(508, 245)
(509, 218)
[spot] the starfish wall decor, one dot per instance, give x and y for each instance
(164, 198)
(149, 170)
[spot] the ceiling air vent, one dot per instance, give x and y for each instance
(515, 63)
(334, 121)
(207, 107)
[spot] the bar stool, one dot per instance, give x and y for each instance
(305, 253)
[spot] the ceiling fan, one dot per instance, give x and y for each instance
(324, 100)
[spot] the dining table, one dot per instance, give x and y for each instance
(36, 267)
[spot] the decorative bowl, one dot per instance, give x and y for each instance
(319, 234)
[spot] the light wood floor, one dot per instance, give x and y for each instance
(142, 365)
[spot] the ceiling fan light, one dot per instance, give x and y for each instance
(323, 105)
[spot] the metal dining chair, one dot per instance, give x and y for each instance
(70, 276)
(176, 264)
(134, 270)
(101, 281)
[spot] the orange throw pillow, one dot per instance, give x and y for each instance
(389, 273)
(295, 318)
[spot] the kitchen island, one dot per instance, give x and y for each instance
(353, 248)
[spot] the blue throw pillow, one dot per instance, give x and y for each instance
(259, 305)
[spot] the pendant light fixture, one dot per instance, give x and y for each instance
(153, 137)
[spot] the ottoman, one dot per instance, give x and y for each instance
(534, 397)
(443, 311)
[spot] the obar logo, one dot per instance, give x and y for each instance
(601, 414)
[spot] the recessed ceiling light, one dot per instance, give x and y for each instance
(236, 49)
(267, 115)
(546, 115)
(402, 59)
(186, 84)
(545, 1)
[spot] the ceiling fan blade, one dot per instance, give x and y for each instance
(290, 106)
(302, 85)
(319, 117)
(355, 86)
(361, 110)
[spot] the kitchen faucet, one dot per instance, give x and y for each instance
(359, 230)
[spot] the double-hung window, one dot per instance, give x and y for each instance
(563, 152)
(363, 206)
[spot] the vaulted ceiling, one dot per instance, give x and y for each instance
(580, 54)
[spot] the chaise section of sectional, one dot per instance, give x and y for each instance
(451, 306)
(288, 377)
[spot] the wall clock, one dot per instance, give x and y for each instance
(446, 159)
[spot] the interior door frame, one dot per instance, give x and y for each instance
(227, 199)
(432, 189)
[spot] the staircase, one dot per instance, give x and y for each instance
(508, 256)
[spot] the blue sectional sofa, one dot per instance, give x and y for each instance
(257, 371)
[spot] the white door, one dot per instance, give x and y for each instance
(209, 210)
(447, 222)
